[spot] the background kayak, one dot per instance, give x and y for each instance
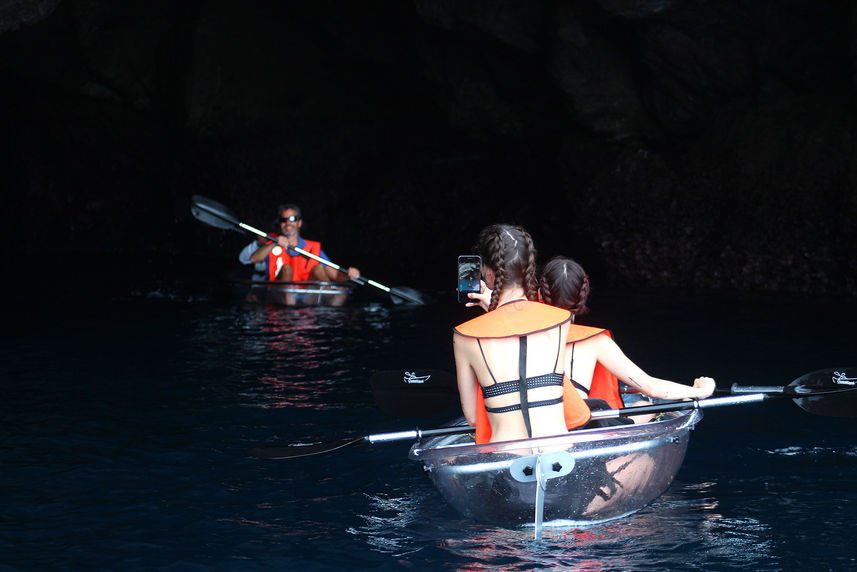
(306, 293)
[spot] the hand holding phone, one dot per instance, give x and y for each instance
(469, 276)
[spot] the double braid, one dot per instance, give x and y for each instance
(582, 294)
(509, 252)
(545, 289)
(565, 284)
(531, 287)
(497, 261)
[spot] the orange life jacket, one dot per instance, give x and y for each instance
(520, 319)
(301, 264)
(604, 385)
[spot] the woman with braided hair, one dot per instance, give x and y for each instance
(510, 361)
(594, 361)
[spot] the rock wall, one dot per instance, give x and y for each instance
(663, 143)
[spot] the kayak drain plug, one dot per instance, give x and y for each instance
(528, 470)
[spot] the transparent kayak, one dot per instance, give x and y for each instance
(308, 293)
(582, 477)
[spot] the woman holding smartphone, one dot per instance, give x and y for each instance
(510, 361)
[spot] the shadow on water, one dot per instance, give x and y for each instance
(129, 407)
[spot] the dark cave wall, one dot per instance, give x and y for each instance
(673, 143)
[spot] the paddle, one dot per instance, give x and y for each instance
(217, 215)
(831, 392)
(395, 396)
(827, 392)
(810, 391)
(301, 450)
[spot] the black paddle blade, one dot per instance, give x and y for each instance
(830, 392)
(414, 391)
(294, 451)
(403, 294)
(213, 213)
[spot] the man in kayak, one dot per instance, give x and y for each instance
(278, 261)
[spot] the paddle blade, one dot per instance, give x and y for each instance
(213, 213)
(405, 295)
(414, 391)
(830, 392)
(297, 450)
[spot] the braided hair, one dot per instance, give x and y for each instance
(508, 250)
(564, 284)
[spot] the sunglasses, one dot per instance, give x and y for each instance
(292, 218)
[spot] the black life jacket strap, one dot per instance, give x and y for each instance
(522, 383)
(580, 386)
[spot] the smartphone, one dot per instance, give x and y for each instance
(469, 276)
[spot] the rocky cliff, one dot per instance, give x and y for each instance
(670, 143)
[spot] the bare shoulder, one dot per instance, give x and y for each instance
(459, 341)
(603, 345)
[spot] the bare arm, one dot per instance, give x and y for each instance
(337, 275)
(245, 256)
(466, 379)
(609, 354)
(262, 252)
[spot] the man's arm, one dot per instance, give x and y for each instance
(335, 275)
(263, 251)
(338, 276)
(247, 251)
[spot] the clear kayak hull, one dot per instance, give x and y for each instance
(308, 293)
(582, 477)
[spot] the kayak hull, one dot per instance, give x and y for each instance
(587, 476)
(308, 293)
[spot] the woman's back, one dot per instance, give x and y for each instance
(509, 362)
(565, 284)
(496, 347)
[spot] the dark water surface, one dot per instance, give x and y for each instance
(128, 409)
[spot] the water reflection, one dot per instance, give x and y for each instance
(129, 419)
(686, 521)
(813, 452)
(288, 357)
